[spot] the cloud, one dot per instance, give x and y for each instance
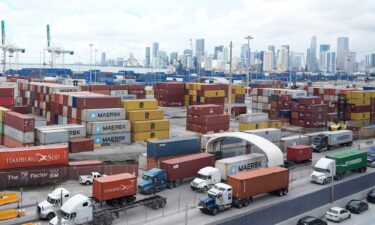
(119, 27)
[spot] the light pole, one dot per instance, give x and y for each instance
(248, 38)
(96, 50)
(91, 45)
(230, 80)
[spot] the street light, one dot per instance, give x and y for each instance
(91, 45)
(248, 38)
(96, 50)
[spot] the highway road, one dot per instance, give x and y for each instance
(365, 218)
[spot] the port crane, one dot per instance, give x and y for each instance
(8, 47)
(54, 51)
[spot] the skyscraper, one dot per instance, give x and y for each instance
(372, 60)
(323, 49)
(342, 53)
(282, 62)
(103, 59)
(331, 62)
(245, 54)
(311, 56)
(217, 50)
(148, 57)
(286, 56)
(272, 49)
(199, 48)
(268, 61)
(155, 49)
(173, 58)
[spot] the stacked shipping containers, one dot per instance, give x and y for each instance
(309, 112)
(238, 93)
(2, 112)
(201, 94)
(147, 121)
(207, 118)
(252, 121)
(170, 93)
(18, 130)
(359, 111)
(7, 97)
(268, 84)
(281, 108)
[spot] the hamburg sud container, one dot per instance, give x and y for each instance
(173, 146)
(299, 153)
(34, 156)
(74, 130)
(242, 163)
(108, 114)
(115, 187)
(108, 127)
(186, 166)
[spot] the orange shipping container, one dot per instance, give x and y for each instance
(12, 143)
(34, 156)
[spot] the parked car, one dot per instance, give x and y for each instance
(371, 196)
(337, 214)
(309, 220)
(356, 206)
(89, 179)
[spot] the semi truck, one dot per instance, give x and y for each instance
(242, 187)
(173, 171)
(118, 191)
(334, 166)
(47, 209)
(89, 179)
(206, 178)
(329, 139)
(371, 157)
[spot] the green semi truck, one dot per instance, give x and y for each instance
(337, 164)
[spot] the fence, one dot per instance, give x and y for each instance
(52, 175)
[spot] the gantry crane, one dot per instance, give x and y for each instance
(8, 47)
(54, 51)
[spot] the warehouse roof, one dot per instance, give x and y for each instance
(273, 153)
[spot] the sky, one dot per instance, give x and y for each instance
(119, 27)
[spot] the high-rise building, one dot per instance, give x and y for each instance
(272, 49)
(218, 49)
(148, 57)
(245, 54)
(155, 49)
(103, 59)
(372, 60)
(268, 61)
(199, 48)
(324, 48)
(352, 62)
(283, 59)
(226, 55)
(342, 53)
(296, 61)
(287, 56)
(331, 62)
(311, 61)
(173, 58)
(162, 59)
(323, 57)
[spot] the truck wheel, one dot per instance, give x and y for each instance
(162, 203)
(214, 211)
(280, 193)
(168, 185)
(239, 204)
(155, 205)
(245, 202)
(50, 216)
(285, 191)
(205, 189)
(325, 181)
(87, 183)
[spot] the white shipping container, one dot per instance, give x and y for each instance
(142, 161)
(109, 114)
(122, 138)
(293, 140)
(53, 136)
(128, 97)
(108, 127)
(22, 137)
(238, 164)
(74, 130)
(339, 137)
(271, 134)
(253, 117)
(119, 93)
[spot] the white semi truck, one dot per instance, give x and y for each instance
(47, 209)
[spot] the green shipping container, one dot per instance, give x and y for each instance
(350, 160)
(1, 128)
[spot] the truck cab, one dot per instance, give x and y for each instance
(77, 210)
(47, 209)
(218, 198)
(153, 181)
(206, 178)
(320, 142)
(324, 171)
(371, 157)
(89, 179)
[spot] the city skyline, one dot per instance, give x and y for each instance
(126, 26)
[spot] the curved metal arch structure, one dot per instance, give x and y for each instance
(273, 153)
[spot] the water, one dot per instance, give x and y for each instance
(81, 68)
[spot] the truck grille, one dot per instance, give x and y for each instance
(39, 209)
(194, 184)
(314, 177)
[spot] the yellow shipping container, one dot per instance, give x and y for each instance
(238, 87)
(358, 123)
(372, 94)
(141, 104)
(142, 115)
(360, 116)
(360, 102)
(193, 92)
(2, 111)
(150, 92)
(144, 136)
(253, 126)
(220, 93)
(143, 126)
(240, 92)
(275, 124)
(359, 95)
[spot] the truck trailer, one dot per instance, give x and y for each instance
(329, 139)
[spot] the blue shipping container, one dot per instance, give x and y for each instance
(173, 147)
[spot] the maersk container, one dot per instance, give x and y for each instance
(108, 114)
(238, 164)
(173, 146)
(350, 160)
(74, 130)
(101, 139)
(108, 127)
(22, 137)
(53, 136)
(271, 134)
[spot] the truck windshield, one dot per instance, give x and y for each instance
(51, 200)
(371, 154)
(211, 195)
(148, 178)
(65, 215)
(202, 177)
(317, 140)
(321, 170)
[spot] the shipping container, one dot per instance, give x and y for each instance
(22, 137)
(106, 114)
(299, 153)
(173, 146)
(208, 109)
(108, 127)
(74, 130)
(264, 180)
(12, 143)
(144, 136)
(239, 164)
(142, 115)
(142, 104)
(271, 134)
(153, 125)
(293, 140)
(253, 126)
(349, 160)
(253, 117)
(84, 163)
(187, 166)
(46, 137)
(114, 187)
(213, 119)
(81, 145)
(2, 112)
(34, 156)
(19, 121)
(106, 139)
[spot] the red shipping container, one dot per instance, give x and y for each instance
(99, 87)
(213, 119)
(170, 85)
(19, 121)
(136, 87)
(85, 163)
(314, 100)
(21, 109)
(210, 87)
(8, 101)
(213, 128)
(6, 92)
(238, 110)
(202, 110)
(119, 87)
(81, 145)
(186, 166)
(34, 156)
(114, 187)
(96, 102)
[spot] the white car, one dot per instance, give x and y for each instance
(337, 214)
